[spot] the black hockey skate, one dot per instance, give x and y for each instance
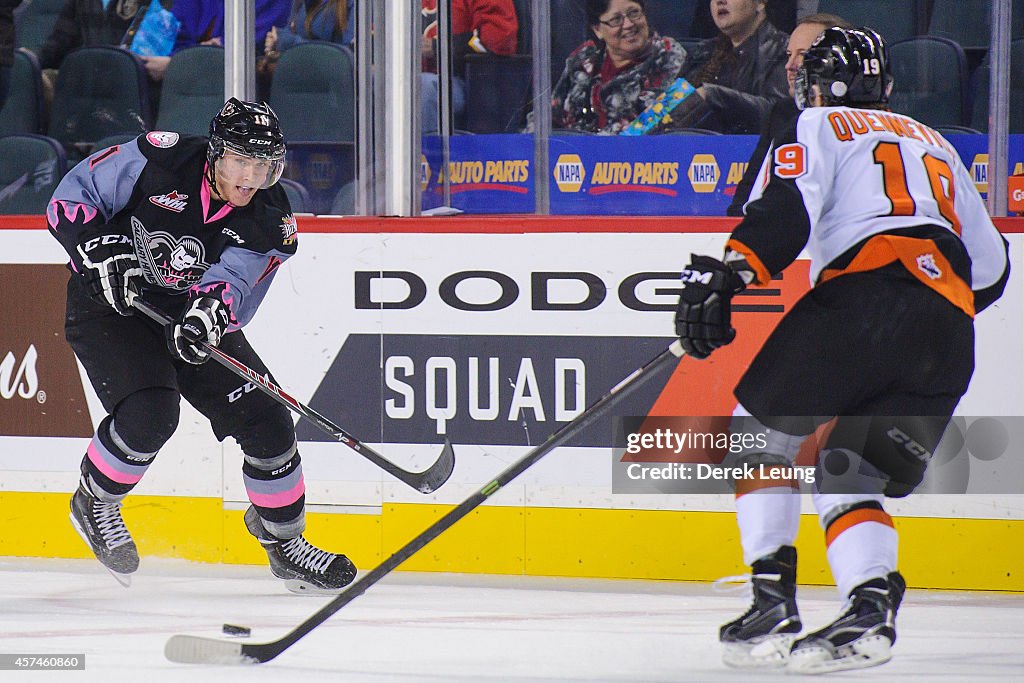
(303, 567)
(862, 636)
(100, 525)
(763, 635)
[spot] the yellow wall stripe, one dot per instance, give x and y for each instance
(974, 554)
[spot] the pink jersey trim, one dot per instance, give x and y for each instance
(204, 197)
(278, 500)
(103, 466)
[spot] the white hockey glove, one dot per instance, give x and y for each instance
(111, 270)
(205, 320)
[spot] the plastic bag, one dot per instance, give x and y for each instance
(152, 32)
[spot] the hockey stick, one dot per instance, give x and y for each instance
(200, 650)
(427, 481)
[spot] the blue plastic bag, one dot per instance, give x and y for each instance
(152, 32)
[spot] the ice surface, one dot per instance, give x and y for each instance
(456, 628)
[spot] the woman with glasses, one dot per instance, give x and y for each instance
(609, 80)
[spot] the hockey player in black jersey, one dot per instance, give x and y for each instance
(903, 255)
(196, 227)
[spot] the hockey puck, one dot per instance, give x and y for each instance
(233, 630)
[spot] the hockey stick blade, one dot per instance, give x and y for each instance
(196, 650)
(427, 481)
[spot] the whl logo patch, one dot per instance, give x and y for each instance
(172, 201)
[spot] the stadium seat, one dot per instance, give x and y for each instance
(100, 91)
(30, 168)
(34, 24)
(313, 93)
(24, 110)
(193, 90)
(498, 93)
(980, 86)
(957, 130)
(499, 87)
(111, 140)
(345, 201)
(568, 29)
(298, 196)
(895, 19)
(929, 80)
(671, 17)
(969, 22)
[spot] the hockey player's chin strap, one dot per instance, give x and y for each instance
(211, 179)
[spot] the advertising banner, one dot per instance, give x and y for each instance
(41, 393)
(658, 175)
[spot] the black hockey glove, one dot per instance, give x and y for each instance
(703, 315)
(204, 320)
(111, 270)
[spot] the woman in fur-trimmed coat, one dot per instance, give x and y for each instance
(608, 82)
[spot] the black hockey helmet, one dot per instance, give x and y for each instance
(249, 129)
(849, 66)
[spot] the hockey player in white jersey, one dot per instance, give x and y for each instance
(903, 255)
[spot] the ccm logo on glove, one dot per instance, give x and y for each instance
(203, 322)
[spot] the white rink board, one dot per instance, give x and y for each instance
(309, 314)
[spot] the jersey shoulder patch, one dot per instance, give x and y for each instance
(267, 224)
(162, 138)
(171, 150)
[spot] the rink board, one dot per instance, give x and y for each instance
(394, 328)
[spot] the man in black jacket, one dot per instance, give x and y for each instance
(807, 29)
(86, 22)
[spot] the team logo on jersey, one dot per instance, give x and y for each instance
(162, 139)
(168, 261)
(172, 201)
(926, 264)
(289, 228)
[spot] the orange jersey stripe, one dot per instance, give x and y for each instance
(853, 518)
(763, 276)
(745, 486)
(921, 258)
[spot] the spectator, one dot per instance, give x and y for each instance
(202, 23)
(82, 23)
(313, 20)
(478, 27)
(609, 80)
(807, 29)
(782, 13)
(6, 45)
(309, 20)
(739, 73)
